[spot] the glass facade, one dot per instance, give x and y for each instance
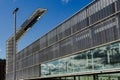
(110, 76)
(98, 59)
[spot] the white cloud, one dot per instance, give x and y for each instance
(65, 1)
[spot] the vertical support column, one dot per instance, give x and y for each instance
(95, 77)
(14, 52)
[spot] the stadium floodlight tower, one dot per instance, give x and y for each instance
(19, 33)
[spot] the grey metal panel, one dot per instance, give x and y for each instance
(80, 20)
(43, 56)
(105, 32)
(74, 20)
(35, 46)
(36, 58)
(101, 4)
(82, 40)
(118, 18)
(27, 51)
(110, 9)
(64, 30)
(66, 46)
(30, 61)
(118, 5)
(49, 53)
(9, 76)
(43, 42)
(67, 26)
(52, 37)
(36, 70)
(55, 50)
(59, 32)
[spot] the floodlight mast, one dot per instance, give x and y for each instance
(11, 48)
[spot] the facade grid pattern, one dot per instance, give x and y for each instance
(96, 27)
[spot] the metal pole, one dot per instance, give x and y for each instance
(14, 55)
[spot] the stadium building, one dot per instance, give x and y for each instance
(84, 47)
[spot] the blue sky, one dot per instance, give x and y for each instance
(57, 12)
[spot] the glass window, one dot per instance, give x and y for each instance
(106, 57)
(63, 78)
(77, 77)
(100, 59)
(86, 78)
(69, 78)
(112, 76)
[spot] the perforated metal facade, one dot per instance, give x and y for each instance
(10, 50)
(98, 24)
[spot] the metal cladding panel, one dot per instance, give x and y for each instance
(98, 5)
(26, 52)
(102, 33)
(36, 58)
(52, 37)
(41, 56)
(35, 46)
(55, 50)
(30, 61)
(9, 59)
(66, 46)
(30, 72)
(24, 63)
(105, 32)
(60, 31)
(9, 76)
(67, 31)
(82, 40)
(80, 21)
(118, 22)
(64, 30)
(48, 53)
(110, 9)
(80, 25)
(43, 42)
(35, 72)
(81, 15)
(73, 21)
(10, 68)
(118, 5)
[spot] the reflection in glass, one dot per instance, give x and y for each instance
(112, 76)
(107, 57)
(69, 78)
(102, 58)
(86, 78)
